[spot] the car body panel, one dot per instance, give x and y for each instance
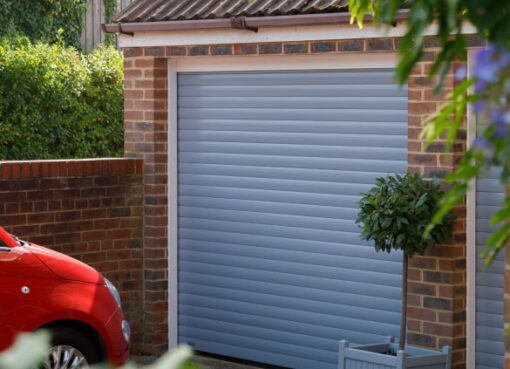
(41, 286)
(65, 266)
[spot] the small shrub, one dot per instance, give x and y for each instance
(57, 103)
(395, 214)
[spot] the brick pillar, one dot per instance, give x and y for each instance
(145, 124)
(437, 281)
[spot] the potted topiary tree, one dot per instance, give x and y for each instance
(394, 214)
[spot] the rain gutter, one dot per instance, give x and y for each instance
(246, 23)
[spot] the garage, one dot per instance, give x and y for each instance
(260, 123)
(271, 164)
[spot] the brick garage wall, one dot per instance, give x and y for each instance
(437, 281)
(88, 209)
(145, 136)
(437, 296)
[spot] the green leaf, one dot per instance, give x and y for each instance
(421, 201)
(500, 216)
(28, 351)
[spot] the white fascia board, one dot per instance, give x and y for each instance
(267, 34)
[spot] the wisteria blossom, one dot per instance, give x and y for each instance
(492, 67)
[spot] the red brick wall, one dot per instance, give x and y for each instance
(437, 281)
(145, 124)
(88, 209)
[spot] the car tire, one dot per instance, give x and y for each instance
(70, 349)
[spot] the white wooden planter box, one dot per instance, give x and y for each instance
(375, 357)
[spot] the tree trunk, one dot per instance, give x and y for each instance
(403, 315)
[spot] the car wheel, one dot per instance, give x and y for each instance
(70, 349)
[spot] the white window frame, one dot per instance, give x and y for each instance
(471, 240)
(236, 64)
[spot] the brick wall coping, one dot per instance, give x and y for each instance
(69, 167)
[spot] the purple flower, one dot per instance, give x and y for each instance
(481, 143)
(484, 145)
(489, 63)
(484, 55)
(498, 119)
(487, 71)
(461, 74)
(479, 86)
(479, 106)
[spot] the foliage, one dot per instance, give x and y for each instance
(396, 211)
(30, 349)
(41, 20)
(394, 214)
(487, 91)
(57, 103)
(27, 351)
(110, 8)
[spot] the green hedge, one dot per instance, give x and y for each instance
(40, 20)
(58, 103)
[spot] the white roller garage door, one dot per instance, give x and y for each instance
(270, 168)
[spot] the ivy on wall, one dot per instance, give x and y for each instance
(110, 8)
(41, 20)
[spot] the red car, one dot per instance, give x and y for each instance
(41, 288)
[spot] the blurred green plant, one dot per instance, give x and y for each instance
(110, 9)
(394, 214)
(30, 350)
(58, 103)
(487, 91)
(41, 20)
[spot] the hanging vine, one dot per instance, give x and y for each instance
(110, 8)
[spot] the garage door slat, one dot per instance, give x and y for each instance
(367, 164)
(283, 150)
(224, 275)
(271, 167)
(333, 171)
(384, 103)
(345, 271)
(294, 90)
(293, 232)
(360, 249)
(283, 78)
(273, 298)
(324, 315)
(326, 223)
(367, 115)
(279, 184)
(329, 139)
(348, 211)
(215, 196)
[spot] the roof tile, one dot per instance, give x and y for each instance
(175, 10)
